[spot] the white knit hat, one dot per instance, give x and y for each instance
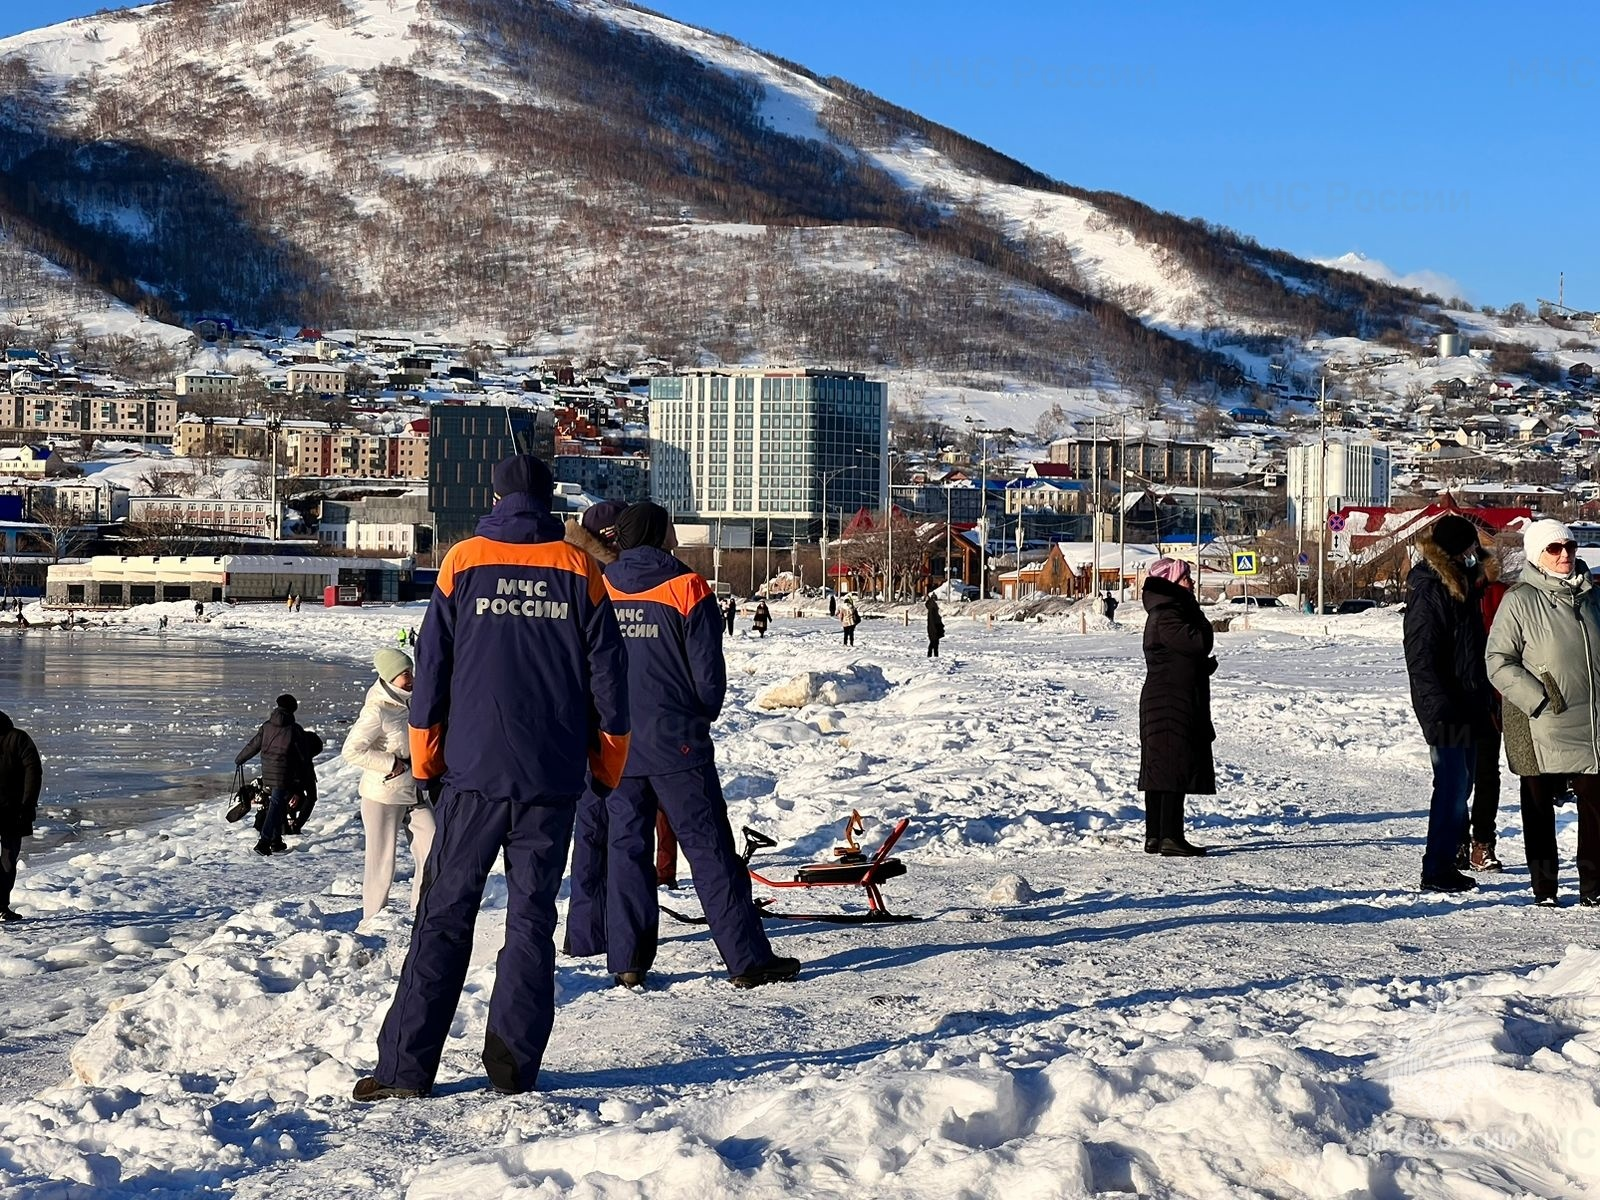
(1539, 534)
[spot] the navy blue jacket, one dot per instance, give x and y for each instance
(672, 627)
(521, 682)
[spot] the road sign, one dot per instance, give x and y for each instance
(1303, 571)
(1305, 559)
(1335, 523)
(1245, 562)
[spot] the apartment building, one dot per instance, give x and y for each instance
(328, 451)
(319, 380)
(217, 384)
(143, 419)
(258, 517)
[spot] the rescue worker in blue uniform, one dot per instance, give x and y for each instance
(672, 627)
(520, 685)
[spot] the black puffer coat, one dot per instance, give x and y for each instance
(1175, 730)
(935, 621)
(20, 779)
(281, 743)
(1445, 644)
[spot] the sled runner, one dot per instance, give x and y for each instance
(850, 866)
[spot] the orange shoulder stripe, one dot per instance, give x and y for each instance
(482, 552)
(681, 592)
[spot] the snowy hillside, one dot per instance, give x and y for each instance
(537, 168)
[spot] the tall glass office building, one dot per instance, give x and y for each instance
(464, 443)
(753, 446)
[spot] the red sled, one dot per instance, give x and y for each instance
(850, 866)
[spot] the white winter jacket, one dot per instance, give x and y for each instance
(381, 735)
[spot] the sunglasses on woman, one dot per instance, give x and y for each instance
(1557, 549)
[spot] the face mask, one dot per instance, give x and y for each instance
(1469, 561)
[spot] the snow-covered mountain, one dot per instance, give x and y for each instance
(589, 169)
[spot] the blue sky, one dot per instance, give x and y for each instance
(1455, 139)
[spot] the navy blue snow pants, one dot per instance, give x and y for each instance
(614, 905)
(614, 872)
(472, 831)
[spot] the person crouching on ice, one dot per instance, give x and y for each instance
(671, 626)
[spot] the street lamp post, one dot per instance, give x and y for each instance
(983, 508)
(889, 579)
(825, 476)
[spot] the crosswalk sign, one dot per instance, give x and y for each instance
(1244, 562)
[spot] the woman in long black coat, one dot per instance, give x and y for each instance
(1175, 730)
(935, 627)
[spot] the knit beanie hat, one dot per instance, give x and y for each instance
(1453, 534)
(524, 474)
(1173, 570)
(391, 663)
(1540, 534)
(288, 703)
(643, 524)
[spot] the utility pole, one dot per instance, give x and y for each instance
(983, 510)
(825, 476)
(1322, 495)
(824, 531)
(1122, 503)
(1094, 508)
(947, 575)
(1300, 542)
(273, 425)
(889, 579)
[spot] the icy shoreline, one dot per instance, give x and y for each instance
(1288, 1017)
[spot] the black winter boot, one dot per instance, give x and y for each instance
(1172, 829)
(1543, 874)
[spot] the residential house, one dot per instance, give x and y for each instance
(198, 382)
(319, 380)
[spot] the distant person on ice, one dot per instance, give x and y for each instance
(520, 687)
(282, 744)
(762, 619)
(849, 618)
(1175, 730)
(676, 684)
(1450, 693)
(935, 626)
(380, 744)
(21, 777)
(1544, 658)
(730, 613)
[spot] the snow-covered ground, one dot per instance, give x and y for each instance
(1287, 1017)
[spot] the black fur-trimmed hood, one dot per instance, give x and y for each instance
(1450, 572)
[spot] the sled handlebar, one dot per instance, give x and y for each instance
(755, 840)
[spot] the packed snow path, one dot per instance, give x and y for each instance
(1286, 1017)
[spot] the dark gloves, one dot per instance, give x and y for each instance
(428, 791)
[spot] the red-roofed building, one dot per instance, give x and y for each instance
(1050, 470)
(1369, 533)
